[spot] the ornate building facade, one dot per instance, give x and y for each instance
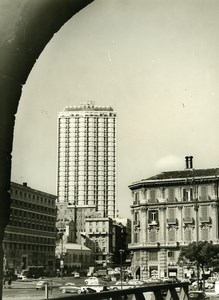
(170, 210)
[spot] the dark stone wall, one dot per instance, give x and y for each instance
(26, 26)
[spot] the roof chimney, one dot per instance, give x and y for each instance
(24, 183)
(189, 162)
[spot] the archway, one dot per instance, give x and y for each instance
(26, 28)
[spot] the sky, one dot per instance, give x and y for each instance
(155, 62)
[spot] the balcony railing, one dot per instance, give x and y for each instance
(206, 220)
(173, 291)
(172, 221)
(153, 222)
(189, 220)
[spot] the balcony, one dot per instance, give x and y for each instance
(189, 220)
(206, 220)
(153, 222)
(172, 221)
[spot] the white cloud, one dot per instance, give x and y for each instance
(169, 163)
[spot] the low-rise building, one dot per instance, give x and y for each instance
(170, 210)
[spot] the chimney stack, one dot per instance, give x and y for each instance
(189, 162)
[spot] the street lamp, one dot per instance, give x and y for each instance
(196, 207)
(121, 251)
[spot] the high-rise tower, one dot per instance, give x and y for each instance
(87, 159)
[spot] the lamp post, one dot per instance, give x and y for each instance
(196, 207)
(121, 251)
(61, 255)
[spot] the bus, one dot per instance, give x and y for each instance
(34, 272)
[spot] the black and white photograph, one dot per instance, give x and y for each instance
(109, 164)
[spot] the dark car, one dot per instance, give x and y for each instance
(106, 278)
(197, 295)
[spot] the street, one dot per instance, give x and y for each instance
(27, 290)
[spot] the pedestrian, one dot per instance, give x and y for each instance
(9, 282)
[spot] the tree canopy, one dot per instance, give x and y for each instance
(203, 254)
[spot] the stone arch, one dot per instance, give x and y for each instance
(25, 29)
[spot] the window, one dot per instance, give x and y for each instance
(153, 235)
(171, 212)
(188, 235)
(153, 256)
(171, 255)
(152, 195)
(204, 234)
(136, 198)
(187, 211)
(171, 195)
(172, 235)
(153, 216)
(188, 194)
(204, 212)
(203, 192)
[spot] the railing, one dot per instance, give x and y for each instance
(175, 291)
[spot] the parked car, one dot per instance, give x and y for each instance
(197, 295)
(70, 287)
(120, 285)
(89, 289)
(135, 282)
(23, 278)
(212, 279)
(106, 278)
(208, 285)
(40, 285)
(76, 275)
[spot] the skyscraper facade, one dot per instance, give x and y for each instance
(86, 175)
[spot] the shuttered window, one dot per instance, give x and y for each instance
(203, 192)
(171, 197)
(153, 235)
(204, 212)
(187, 212)
(188, 235)
(171, 212)
(172, 235)
(204, 234)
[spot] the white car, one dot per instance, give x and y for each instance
(92, 281)
(23, 278)
(208, 285)
(70, 287)
(120, 285)
(135, 282)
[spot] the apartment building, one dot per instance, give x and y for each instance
(30, 236)
(86, 174)
(170, 210)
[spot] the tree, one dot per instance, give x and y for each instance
(202, 254)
